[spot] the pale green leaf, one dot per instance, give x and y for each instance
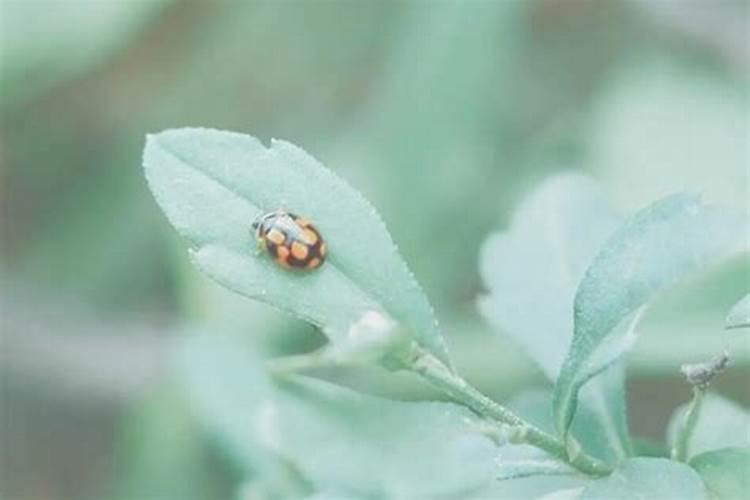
(566, 494)
(722, 423)
(653, 250)
(327, 495)
(340, 440)
(589, 428)
(534, 406)
(648, 478)
(695, 309)
(739, 315)
(519, 461)
(336, 438)
(532, 271)
(537, 263)
(725, 472)
(212, 184)
(532, 487)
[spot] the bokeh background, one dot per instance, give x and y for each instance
(444, 114)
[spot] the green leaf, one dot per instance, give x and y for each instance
(336, 438)
(566, 494)
(739, 315)
(212, 184)
(589, 428)
(420, 450)
(537, 487)
(328, 495)
(695, 310)
(532, 271)
(538, 262)
(519, 461)
(722, 423)
(653, 250)
(648, 478)
(725, 472)
(340, 440)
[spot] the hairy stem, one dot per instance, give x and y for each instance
(680, 450)
(437, 374)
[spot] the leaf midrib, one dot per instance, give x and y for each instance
(204, 243)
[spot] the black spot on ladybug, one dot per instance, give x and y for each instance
(292, 241)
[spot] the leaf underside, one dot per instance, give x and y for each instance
(654, 249)
(739, 315)
(531, 272)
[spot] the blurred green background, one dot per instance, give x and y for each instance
(444, 114)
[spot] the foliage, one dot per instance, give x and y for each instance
(724, 471)
(739, 315)
(650, 478)
(652, 250)
(536, 265)
(458, 120)
(212, 184)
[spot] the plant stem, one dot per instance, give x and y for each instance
(680, 451)
(437, 374)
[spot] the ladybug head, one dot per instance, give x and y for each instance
(256, 223)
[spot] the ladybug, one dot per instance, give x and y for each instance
(292, 241)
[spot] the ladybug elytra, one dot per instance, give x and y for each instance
(292, 241)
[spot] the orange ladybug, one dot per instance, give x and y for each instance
(292, 241)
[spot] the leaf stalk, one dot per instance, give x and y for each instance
(459, 390)
(682, 443)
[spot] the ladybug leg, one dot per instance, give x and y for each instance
(254, 234)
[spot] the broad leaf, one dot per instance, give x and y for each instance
(739, 315)
(532, 271)
(338, 438)
(725, 472)
(722, 423)
(566, 494)
(648, 478)
(212, 184)
(341, 441)
(696, 309)
(519, 461)
(536, 487)
(594, 433)
(652, 250)
(327, 495)
(352, 445)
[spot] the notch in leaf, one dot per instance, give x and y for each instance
(212, 184)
